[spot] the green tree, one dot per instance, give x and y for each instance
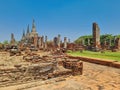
(118, 36)
(5, 42)
(85, 38)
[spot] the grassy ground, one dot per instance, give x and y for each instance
(107, 55)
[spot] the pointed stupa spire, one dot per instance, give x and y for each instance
(28, 32)
(28, 29)
(33, 26)
(23, 33)
(23, 36)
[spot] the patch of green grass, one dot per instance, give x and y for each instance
(107, 55)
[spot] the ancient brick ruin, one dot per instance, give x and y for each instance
(39, 68)
(12, 41)
(40, 42)
(55, 64)
(96, 36)
(117, 43)
(30, 38)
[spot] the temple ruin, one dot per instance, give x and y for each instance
(96, 36)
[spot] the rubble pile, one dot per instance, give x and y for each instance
(39, 68)
(35, 58)
(20, 73)
(75, 65)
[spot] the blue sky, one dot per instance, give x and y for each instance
(70, 18)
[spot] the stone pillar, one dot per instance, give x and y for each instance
(88, 41)
(65, 42)
(68, 40)
(96, 36)
(105, 45)
(55, 42)
(117, 43)
(110, 42)
(45, 42)
(58, 41)
(114, 40)
(42, 42)
(12, 42)
(39, 42)
(36, 41)
(83, 42)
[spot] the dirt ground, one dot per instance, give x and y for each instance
(95, 77)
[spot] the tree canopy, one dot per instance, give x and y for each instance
(86, 39)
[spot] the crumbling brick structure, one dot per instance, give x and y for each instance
(75, 66)
(96, 36)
